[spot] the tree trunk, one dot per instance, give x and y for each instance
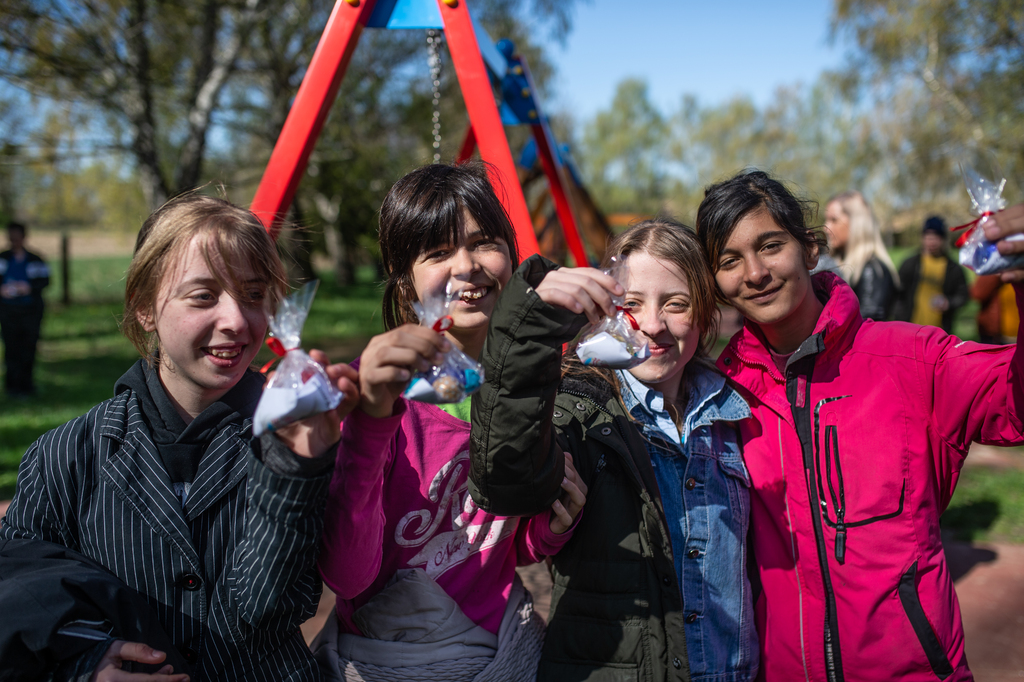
(210, 80)
(138, 104)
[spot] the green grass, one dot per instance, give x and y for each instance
(988, 505)
(92, 279)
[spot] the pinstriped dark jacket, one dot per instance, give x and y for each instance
(231, 575)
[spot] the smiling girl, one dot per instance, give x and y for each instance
(426, 580)
(653, 584)
(163, 484)
(860, 430)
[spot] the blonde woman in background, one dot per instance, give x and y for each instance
(857, 246)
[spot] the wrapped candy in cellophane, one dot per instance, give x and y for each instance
(300, 387)
(976, 252)
(458, 375)
(614, 342)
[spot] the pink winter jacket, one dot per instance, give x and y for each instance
(853, 456)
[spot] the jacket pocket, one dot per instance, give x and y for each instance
(835, 507)
(937, 657)
(581, 648)
(557, 671)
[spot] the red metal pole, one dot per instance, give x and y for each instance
(309, 111)
(468, 146)
(553, 171)
(485, 119)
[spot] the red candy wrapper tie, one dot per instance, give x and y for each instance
(972, 225)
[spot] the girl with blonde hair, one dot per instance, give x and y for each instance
(863, 260)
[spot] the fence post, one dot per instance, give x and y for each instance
(65, 269)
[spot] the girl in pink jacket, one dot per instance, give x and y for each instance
(858, 434)
(426, 580)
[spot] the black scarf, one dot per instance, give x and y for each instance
(181, 445)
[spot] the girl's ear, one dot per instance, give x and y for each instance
(811, 256)
(145, 319)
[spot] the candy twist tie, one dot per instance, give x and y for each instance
(629, 316)
(970, 227)
(280, 351)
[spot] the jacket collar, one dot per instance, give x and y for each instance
(711, 399)
(139, 476)
(748, 361)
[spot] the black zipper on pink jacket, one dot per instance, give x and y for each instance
(799, 373)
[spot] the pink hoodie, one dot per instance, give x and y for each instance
(399, 498)
(853, 457)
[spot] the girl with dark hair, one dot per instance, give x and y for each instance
(859, 432)
(426, 580)
(653, 584)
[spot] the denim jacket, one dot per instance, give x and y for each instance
(704, 489)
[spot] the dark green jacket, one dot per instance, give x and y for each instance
(616, 611)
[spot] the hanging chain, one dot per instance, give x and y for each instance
(434, 38)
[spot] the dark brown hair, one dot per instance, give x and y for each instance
(727, 203)
(425, 210)
(233, 239)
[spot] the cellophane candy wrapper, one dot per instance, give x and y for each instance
(614, 342)
(300, 387)
(458, 375)
(978, 253)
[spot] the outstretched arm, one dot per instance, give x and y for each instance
(979, 390)
(517, 463)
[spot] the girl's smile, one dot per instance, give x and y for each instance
(478, 267)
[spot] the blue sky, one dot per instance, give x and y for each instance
(714, 50)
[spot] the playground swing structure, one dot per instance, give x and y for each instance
(481, 67)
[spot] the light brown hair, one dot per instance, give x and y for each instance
(676, 244)
(232, 240)
(865, 240)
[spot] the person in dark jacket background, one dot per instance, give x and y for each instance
(933, 284)
(23, 276)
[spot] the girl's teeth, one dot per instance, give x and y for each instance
(473, 295)
(225, 354)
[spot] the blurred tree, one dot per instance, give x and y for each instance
(11, 121)
(622, 152)
(954, 69)
(380, 125)
(153, 71)
(154, 79)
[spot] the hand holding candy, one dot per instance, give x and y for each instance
(1006, 224)
(581, 290)
(300, 388)
(979, 252)
(389, 360)
(312, 436)
(457, 375)
(613, 342)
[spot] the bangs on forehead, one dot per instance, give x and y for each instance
(439, 222)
